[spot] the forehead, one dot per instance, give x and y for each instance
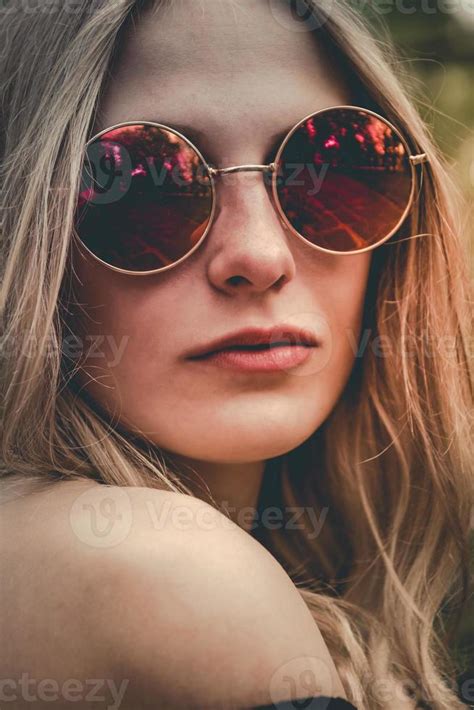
(239, 71)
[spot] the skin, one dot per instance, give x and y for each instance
(239, 76)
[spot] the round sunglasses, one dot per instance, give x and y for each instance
(343, 181)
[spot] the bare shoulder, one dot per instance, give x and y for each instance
(165, 594)
(208, 618)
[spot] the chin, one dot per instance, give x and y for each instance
(238, 449)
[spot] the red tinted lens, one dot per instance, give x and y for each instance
(344, 179)
(146, 198)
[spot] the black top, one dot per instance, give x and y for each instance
(322, 702)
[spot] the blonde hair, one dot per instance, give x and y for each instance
(392, 464)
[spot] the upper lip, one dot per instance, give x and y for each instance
(279, 334)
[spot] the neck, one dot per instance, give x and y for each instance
(234, 487)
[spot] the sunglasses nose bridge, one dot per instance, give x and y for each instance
(267, 170)
(215, 172)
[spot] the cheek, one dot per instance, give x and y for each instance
(125, 356)
(341, 298)
(122, 330)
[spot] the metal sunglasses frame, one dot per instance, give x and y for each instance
(213, 172)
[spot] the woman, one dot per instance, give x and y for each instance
(245, 528)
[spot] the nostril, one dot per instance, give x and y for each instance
(281, 281)
(236, 280)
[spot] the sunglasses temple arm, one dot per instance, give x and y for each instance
(417, 159)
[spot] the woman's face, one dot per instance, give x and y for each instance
(239, 74)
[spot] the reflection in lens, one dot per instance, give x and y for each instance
(145, 199)
(344, 179)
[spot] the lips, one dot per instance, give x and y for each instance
(256, 339)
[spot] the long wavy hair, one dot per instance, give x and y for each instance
(392, 465)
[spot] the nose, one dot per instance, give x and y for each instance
(248, 246)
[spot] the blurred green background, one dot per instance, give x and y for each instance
(436, 40)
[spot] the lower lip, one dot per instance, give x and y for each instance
(270, 360)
